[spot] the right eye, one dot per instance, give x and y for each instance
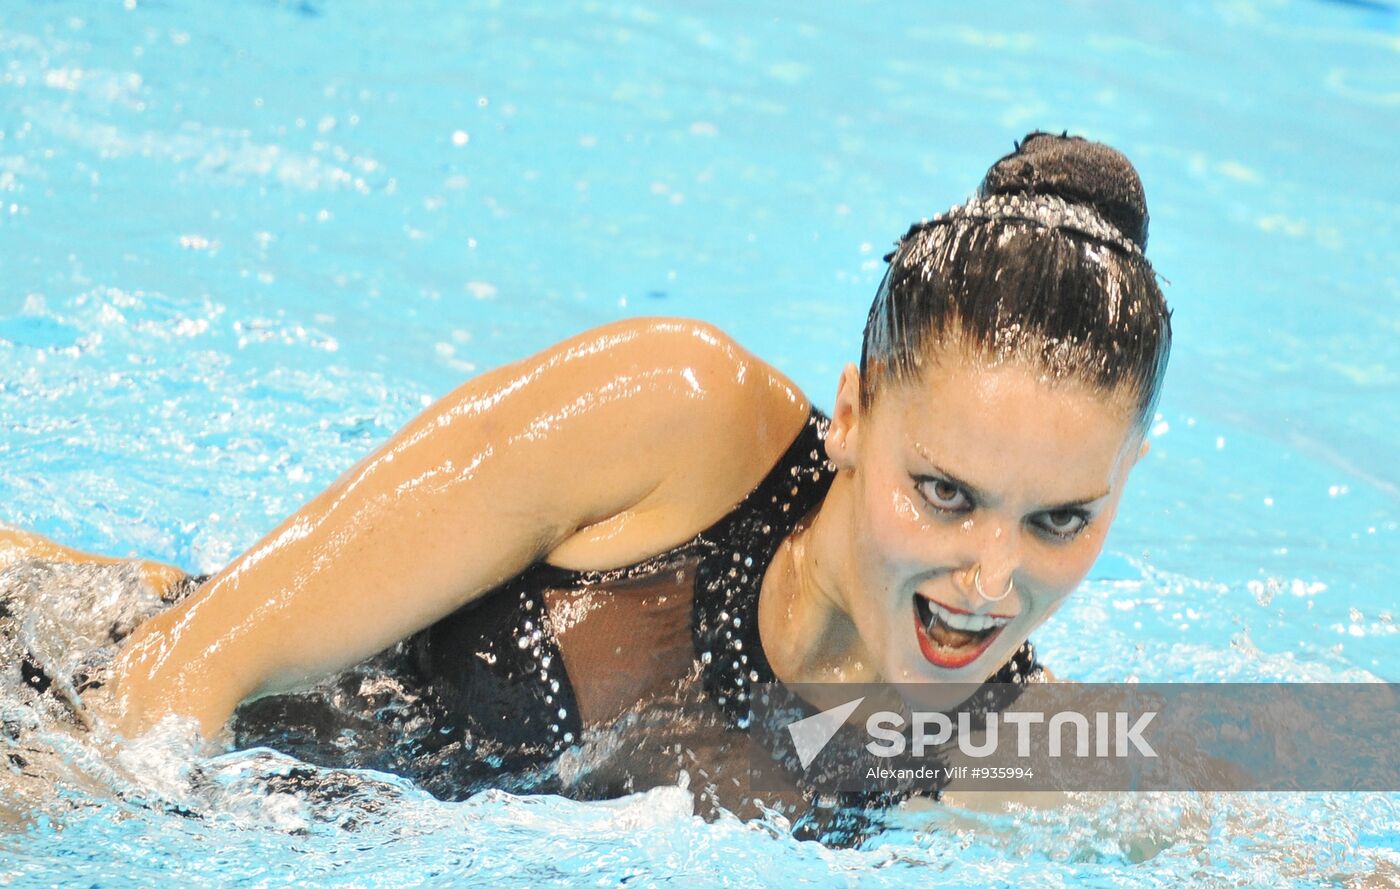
(944, 495)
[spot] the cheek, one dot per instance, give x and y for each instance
(898, 533)
(1067, 566)
(1060, 569)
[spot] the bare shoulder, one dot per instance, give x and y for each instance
(734, 405)
(653, 407)
(702, 380)
(706, 419)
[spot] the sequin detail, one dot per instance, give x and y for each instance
(724, 620)
(495, 664)
(496, 669)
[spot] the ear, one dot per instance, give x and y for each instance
(842, 439)
(1136, 456)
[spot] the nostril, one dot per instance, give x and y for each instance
(964, 580)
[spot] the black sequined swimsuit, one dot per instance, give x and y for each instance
(496, 666)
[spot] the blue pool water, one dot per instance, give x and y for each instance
(241, 243)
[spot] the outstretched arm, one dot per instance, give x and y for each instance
(484, 482)
(16, 544)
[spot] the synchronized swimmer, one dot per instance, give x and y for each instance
(567, 536)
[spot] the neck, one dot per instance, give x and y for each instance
(804, 620)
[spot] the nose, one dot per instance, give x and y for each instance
(989, 561)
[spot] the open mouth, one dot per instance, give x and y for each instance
(950, 638)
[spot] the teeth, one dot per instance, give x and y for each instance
(968, 623)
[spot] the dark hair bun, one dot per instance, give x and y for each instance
(1079, 171)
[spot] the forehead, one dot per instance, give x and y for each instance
(1009, 430)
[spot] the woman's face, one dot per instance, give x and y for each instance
(976, 475)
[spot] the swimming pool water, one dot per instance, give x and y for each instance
(241, 243)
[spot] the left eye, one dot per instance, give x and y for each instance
(1062, 523)
(943, 494)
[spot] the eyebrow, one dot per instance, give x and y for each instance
(977, 494)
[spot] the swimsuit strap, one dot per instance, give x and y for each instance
(737, 552)
(734, 553)
(496, 665)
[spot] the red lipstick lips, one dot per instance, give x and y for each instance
(948, 657)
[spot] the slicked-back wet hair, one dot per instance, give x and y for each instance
(1045, 266)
